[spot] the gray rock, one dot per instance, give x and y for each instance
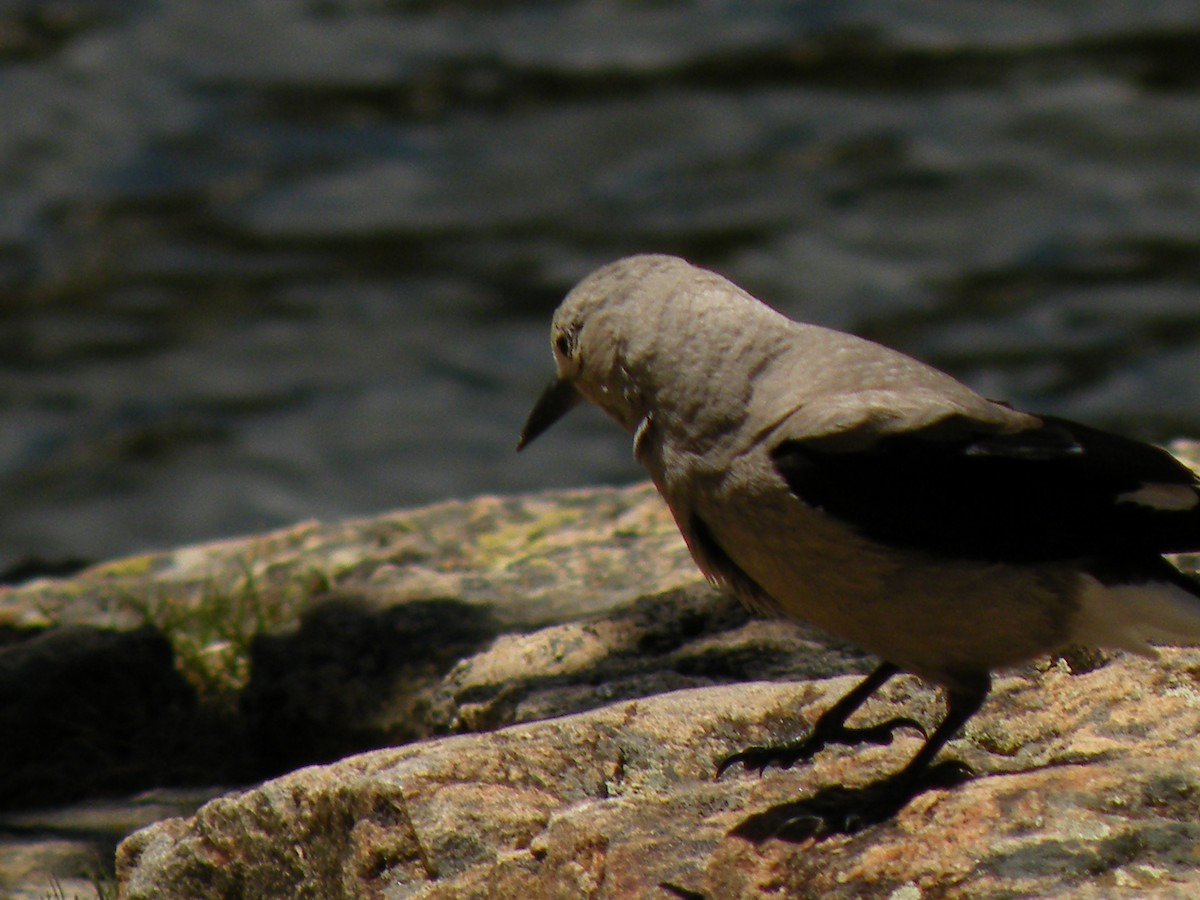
(590, 773)
(1088, 785)
(592, 696)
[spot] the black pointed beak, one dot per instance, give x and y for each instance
(558, 399)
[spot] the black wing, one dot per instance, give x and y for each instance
(1059, 491)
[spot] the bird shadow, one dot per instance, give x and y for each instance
(844, 810)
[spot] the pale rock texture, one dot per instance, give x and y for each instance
(560, 685)
(1088, 785)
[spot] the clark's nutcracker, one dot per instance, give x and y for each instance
(829, 479)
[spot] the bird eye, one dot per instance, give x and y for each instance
(563, 345)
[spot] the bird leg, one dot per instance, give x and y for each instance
(844, 810)
(830, 728)
(962, 702)
(880, 801)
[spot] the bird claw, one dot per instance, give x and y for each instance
(787, 755)
(783, 755)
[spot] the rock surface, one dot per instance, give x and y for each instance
(337, 638)
(557, 685)
(349, 629)
(1088, 785)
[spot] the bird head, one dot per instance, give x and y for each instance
(598, 349)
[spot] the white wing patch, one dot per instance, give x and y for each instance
(1165, 497)
(1132, 616)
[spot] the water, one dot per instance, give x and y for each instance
(263, 261)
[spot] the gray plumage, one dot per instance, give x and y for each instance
(832, 480)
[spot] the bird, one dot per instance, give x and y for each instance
(828, 479)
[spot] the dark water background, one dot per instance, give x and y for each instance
(266, 260)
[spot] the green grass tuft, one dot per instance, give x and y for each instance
(212, 626)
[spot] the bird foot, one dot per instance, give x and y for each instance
(787, 755)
